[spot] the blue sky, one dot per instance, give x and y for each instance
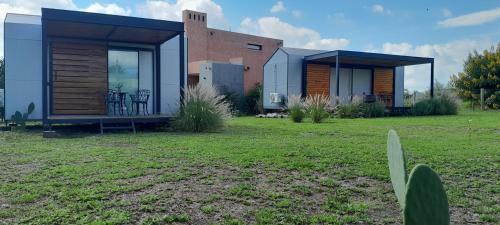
(445, 30)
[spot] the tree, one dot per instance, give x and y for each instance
(480, 71)
(2, 73)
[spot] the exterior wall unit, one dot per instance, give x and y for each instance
(295, 74)
(79, 77)
(223, 46)
(399, 87)
(318, 79)
(275, 78)
(383, 83)
(223, 76)
(23, 64)
(170, 79)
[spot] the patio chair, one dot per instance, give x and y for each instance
(141, 98)
(112, 98)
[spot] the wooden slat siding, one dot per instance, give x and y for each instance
(383, 81)
(318, 79)
(80, 77)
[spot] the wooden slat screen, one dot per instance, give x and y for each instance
(79, 73)
(318, 79)
(383, 82)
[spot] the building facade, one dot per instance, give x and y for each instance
(208, 44)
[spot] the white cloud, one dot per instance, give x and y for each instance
(292, 36)
(33, 7)
(378, 8)
(472, 19)
(278, 7)
(108, 9)
(447, 12)
(297, 13)
(448, 57)
(173, 11)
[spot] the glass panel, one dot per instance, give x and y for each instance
(123, 72)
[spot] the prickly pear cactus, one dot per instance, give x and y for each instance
(397, 166)
(426, 200)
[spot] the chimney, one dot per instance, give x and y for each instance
(194, 18)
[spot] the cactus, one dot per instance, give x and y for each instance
(421, 196)
(426, 201)
(19, 119)
(397, 166)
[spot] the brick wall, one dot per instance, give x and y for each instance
(224, 46)
(318, 79)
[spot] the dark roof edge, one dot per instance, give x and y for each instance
(107, 19)
(368, 55)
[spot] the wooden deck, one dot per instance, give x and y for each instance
(74, 119)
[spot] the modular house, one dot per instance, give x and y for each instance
(292, 71)
(89, 67)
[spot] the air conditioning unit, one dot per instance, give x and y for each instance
(275, 98)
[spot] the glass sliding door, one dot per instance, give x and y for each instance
(123, 73)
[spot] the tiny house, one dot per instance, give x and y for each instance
(291, 71)
(72, 64)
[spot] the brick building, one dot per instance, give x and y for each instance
(208, 44)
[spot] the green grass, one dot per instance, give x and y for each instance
(256, 171)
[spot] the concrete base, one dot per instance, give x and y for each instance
(50, 134)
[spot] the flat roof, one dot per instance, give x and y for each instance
(23, 19)
(367, 58)
(97, 26)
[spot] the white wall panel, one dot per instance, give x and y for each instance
(23, 68)
(146, 75)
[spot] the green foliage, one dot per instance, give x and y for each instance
(201, 110)
(253, 100)
(421, 196)
(426, 200)
(317, 107)
(296, 109)
(359, 109)
(20, 118)
(2, 73)
(443, 105)
(236, 101)
(480, 71)
(397, 166)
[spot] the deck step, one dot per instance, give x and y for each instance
(131, 127)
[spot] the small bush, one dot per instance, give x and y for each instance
(359, 109)
(372, 109)
(295, 107)
(317, 107)
(236, 101)
(202, 109)
(253, 101)
(443, 105)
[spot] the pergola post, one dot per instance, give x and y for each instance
(432, 79)
(182, 64)
(337, 74)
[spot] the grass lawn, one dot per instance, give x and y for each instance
(264, 171)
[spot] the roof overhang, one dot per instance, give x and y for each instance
(367, 59)
(112, 28)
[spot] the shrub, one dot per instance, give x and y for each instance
(445, 104)
(202, 109)
(253, 100)
(372, 109)
(357, 109)
(317, 107)
(295, 107)
(235, 101)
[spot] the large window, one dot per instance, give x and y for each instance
(123, 71)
